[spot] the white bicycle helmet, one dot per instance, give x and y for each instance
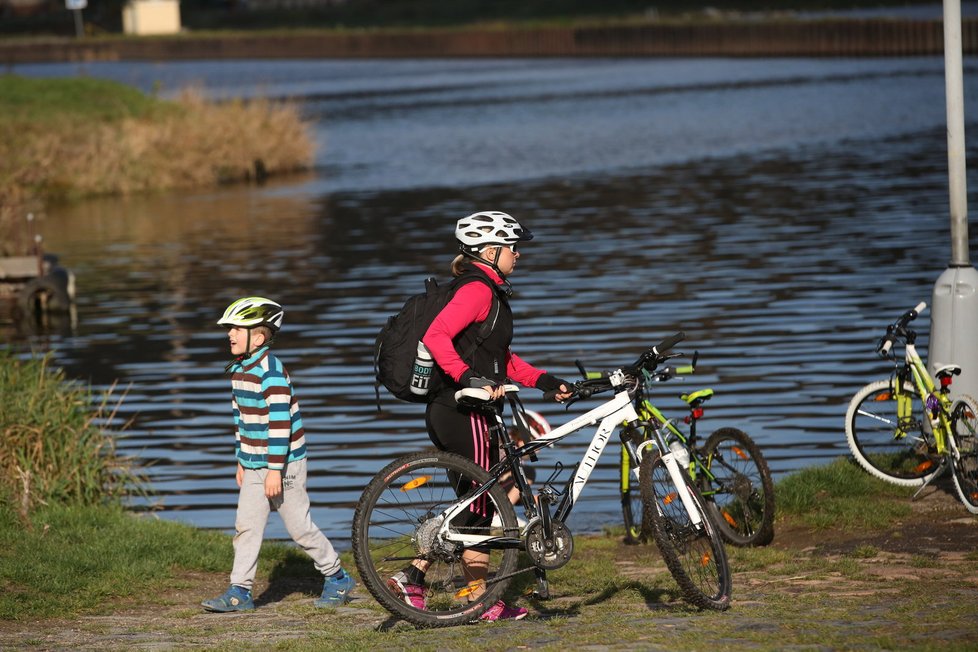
(253, 311)
(487, 228)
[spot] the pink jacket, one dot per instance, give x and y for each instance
(469, 305)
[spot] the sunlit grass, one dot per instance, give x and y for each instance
(841, 494)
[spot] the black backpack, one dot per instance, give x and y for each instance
(397, 343)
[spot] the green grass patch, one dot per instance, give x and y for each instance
(78, 559)
(842, 495)
(24, 99)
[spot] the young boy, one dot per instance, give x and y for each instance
(271, 450)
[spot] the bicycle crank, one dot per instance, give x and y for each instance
(552, 553)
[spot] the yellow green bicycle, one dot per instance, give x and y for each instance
(906, 429)
(728, 469)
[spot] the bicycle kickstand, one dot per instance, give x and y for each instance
(937, 473)
(542, 591)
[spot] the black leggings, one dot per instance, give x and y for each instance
(467, 434)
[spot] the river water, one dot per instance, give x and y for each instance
(781, 212)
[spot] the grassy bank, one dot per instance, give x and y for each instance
(98, 578)
(107, 555)
(79, 137)
(854, 564)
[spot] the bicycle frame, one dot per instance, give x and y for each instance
(941, 424)
(608, 416)
(650, 413)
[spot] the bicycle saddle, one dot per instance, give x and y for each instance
(475, 396)
(697, 398)
(947, 370)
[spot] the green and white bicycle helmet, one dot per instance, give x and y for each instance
(253, 311)
(488, 228)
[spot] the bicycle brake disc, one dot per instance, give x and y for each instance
(549, 554)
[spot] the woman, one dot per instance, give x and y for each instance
(487, 241)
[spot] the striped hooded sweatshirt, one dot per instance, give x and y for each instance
(268, 425)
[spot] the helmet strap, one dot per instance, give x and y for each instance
(507, 286)
(248, 352)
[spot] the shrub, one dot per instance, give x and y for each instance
(55, 446)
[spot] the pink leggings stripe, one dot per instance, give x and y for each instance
(480, 446)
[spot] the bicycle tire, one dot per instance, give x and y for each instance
(740, 498)
(908, 458)
(695, 555)
(964, 467)
(631, 503)
(395, 521)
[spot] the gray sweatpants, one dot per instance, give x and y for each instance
(293, 506)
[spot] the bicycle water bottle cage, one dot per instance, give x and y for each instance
(547, 490)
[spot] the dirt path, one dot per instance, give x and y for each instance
(826, 589)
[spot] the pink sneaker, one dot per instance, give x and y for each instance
(413, 594)
(500, 611)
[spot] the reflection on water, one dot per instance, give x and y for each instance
(780, 263)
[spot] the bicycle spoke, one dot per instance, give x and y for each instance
(887, 435)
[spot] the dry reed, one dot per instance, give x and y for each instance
(56, 446)
(196, 144)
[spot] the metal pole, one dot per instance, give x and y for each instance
(79, 25)
(954, 89)
(954, 305)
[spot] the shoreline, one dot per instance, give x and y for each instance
(810, 38)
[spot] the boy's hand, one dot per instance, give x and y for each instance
(239, 475)
(273, 484)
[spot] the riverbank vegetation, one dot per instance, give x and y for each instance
(79, 571)
(81, 137)
(56, 446)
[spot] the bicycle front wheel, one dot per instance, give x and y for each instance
(396, 526)
(887, 435)
(740, 494)
(964, 424)
(694, 553)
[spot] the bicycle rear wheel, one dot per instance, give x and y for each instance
(694, 554)
(888, 437)
(964, 424)
(397, 520)
(740, 497)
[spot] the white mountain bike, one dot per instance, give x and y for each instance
(906, 430)
(442, 510)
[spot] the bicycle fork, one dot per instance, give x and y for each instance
(672, 466)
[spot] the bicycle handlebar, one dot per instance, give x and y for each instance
(594, 383)
(898, 329)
